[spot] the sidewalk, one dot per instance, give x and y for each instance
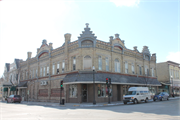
(75, 105)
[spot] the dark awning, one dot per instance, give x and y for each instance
(22, 84)
(115, 79)
(13, 88)
(5, 89)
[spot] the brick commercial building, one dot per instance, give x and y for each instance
(73, 63)
(169, 75)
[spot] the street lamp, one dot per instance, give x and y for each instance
(94, 101)
(172, 85)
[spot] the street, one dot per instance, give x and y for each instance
(164, 110)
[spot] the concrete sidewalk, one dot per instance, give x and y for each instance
(70, 105)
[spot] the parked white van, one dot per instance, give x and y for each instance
(137, 94)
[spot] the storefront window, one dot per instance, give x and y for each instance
(103, 90)
(73, 91)
(163, 88)
(152, 90)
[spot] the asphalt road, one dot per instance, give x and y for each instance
(159, 110)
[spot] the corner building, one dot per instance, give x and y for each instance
(73, 63)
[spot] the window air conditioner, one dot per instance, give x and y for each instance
(42, 83)
(45, 82)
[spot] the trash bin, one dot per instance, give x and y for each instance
(62, 101)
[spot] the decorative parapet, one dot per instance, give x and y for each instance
(87, 35)
(146, 53)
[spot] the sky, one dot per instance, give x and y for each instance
(25, 23)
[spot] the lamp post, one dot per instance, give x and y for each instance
(94, 101)
(172, 86)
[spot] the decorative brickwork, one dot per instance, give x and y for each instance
(56, 92)
(43, 92)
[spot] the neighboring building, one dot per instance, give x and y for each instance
(1, 88)
(73, 63)
(11, 79)
(169, 75)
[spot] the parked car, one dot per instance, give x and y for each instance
(161, 96)
(137, 94)
(14, 98)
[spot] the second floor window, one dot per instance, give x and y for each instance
(53, 67)
(47, 70)
(40, 72)
(30, 74)
(74, 63)
(100, 63)
(152, 72)
(126, 67)
(44, 71)
(58, 68)
(26, 75)
(132, 69)
(63, 66)
(107, 64)
(117, 65)
(140, 72)
(36, 72)
(33, 73)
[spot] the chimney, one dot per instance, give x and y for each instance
(67, 37)
(38, 50)
(44, 42)
(117, 36)
(51, 45)
(29, 55)
(135, 48)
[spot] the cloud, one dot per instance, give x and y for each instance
(173, 56)
(125, 2)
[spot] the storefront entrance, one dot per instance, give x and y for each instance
(84, 93)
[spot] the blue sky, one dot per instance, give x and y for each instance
(24, 24)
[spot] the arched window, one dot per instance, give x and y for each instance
(87, 62)
(87, 43)
(117, 65)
